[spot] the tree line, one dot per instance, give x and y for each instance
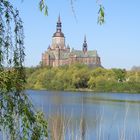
(82, 77)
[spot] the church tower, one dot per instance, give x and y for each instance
(85, 45)
(58, 39)
(58, 54)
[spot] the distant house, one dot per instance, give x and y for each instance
(58, 54)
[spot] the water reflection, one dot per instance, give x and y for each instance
(86, 116)
(83, 128)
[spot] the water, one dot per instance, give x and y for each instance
(90, 116)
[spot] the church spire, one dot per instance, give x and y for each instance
(85, 45)
(85, 40)
(58, 27)
(59, 19)
(58, 32)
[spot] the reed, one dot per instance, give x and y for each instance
(63, 127)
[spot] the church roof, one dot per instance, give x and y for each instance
(64, 55)
(80, 53)
(51, 54)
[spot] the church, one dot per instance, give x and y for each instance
(58, 54)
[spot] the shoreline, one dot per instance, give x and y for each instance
(85, 90)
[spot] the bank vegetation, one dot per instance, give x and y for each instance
(81, 77)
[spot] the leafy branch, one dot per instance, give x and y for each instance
(101, 13)
(43, 7)
(18, 118)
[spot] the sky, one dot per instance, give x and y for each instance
(117, 41)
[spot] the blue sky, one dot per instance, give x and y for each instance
(117, 41)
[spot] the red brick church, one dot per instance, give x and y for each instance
(58, 54)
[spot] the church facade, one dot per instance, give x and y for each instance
(58, 54)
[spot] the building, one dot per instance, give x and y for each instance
(58, 54)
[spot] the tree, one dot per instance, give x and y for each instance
(18, 119)
(120, 74)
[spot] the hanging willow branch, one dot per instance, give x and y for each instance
(43, 7)
(101, 12)
(18, 119)
(101, 15)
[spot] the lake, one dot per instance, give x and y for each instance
(89, 116)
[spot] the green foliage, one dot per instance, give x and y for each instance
(101, 13)
(43, 7)
(40, 125)
(78, 76)
(18, 118)
(120, 74)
